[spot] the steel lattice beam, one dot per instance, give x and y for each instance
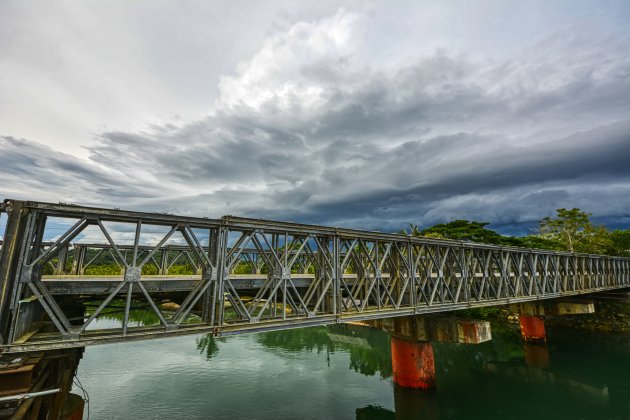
(301, 275)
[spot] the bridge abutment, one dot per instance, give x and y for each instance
(37, 385)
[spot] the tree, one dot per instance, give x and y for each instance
(574, 230)
(532, 241)
(465, 230)
(620, 243)
(413, 230)
(571, 230)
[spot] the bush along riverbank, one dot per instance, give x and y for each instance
(609, 317)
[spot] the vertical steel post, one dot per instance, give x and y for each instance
(164, 262)
(222, 246)
(79, 260)
(9, 261)
(337, 273)
(466, 271)
(62, 259)
(413, 282)
(209, 297)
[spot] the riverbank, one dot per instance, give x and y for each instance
(609, 318)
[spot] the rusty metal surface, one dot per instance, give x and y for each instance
(16, 375)
(301, 275)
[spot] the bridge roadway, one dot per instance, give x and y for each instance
(104, 285)
(314, 275)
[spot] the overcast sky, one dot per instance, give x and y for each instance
(360, 114)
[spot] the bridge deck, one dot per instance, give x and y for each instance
(104, 285)
(356, 275)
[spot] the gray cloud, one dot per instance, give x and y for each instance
(309, 129)
(31, 170)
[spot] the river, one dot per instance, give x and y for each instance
(344, 372)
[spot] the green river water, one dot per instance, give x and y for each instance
(344, 372)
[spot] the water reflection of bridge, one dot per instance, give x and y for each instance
(306, 275)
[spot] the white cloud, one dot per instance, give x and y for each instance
(291, 71)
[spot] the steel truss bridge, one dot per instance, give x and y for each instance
(251, 275)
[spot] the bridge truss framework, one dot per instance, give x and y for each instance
(308, 275)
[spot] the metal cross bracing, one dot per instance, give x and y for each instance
(77, 258)
(304, 275)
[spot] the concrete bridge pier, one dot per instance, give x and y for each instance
(413, 364)
(531, 316)
(532, 328)
(532, 323)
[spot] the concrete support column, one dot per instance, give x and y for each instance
(532, 328)
(413, 365)
(412, 355)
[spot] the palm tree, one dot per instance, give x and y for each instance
(414, 230)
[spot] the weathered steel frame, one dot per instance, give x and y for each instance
(358, 275)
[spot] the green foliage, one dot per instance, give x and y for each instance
(113, 269)
(481, 313)
(183, 269)
(244, 268)
(536, 242)
(574, 230)
(414, 230)
(571, 230)
(620, 243)
(140, 313)
(103, 270)
(207, 344)
(368, 348)
(465, 230)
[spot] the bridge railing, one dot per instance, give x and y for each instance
(301, 275)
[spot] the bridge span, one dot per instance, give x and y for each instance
(249, 275)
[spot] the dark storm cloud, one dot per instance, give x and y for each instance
(525, 175)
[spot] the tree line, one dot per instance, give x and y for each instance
(570, 230)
